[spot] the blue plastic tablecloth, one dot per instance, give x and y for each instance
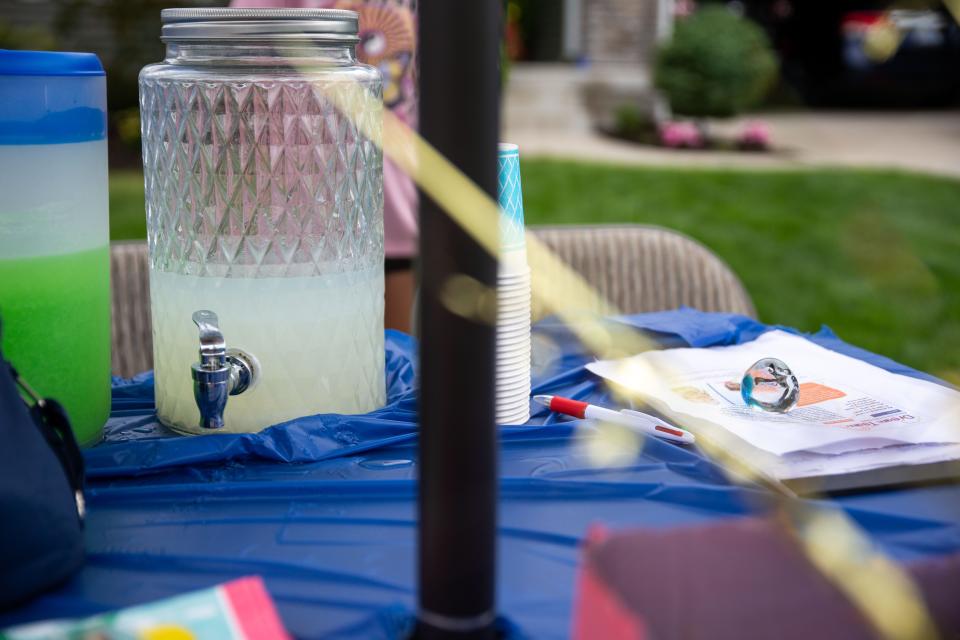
(324, 507)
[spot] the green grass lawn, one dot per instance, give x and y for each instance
(873, 254)
(128, 219)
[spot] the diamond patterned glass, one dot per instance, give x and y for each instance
(265, 204)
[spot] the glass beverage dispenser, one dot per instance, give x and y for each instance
(265, 218)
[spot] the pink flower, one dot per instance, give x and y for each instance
(755, 135)
(684, 8)
(679, 135)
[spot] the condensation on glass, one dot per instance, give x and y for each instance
(265, 206)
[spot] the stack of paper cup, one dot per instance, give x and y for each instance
(513, 296)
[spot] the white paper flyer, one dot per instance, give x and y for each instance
(845, 404)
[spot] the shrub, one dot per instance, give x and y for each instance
(629, 122)
(716, 64)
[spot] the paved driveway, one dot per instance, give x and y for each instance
(918, 141)
(544, 115)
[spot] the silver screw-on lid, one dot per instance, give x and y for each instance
(337, 25)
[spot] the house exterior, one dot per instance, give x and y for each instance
(587, 59)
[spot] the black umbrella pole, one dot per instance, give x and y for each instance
(459, 115)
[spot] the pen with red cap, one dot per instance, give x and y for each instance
(635, 420)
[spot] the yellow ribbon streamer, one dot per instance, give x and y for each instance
(886, 595)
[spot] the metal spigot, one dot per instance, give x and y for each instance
(220, 372)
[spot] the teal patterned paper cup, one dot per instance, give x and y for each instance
(513, 296)
(511, 199)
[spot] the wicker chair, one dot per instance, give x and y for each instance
(132, 336)
(637, 268)
(640, 268)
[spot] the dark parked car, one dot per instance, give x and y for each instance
(856, 53)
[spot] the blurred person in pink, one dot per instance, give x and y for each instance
(388, 41)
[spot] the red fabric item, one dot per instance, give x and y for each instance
(742, 578)
(598, 611)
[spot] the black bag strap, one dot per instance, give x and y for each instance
(51, 418)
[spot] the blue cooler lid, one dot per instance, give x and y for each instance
(51, 97)
(49, 63)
